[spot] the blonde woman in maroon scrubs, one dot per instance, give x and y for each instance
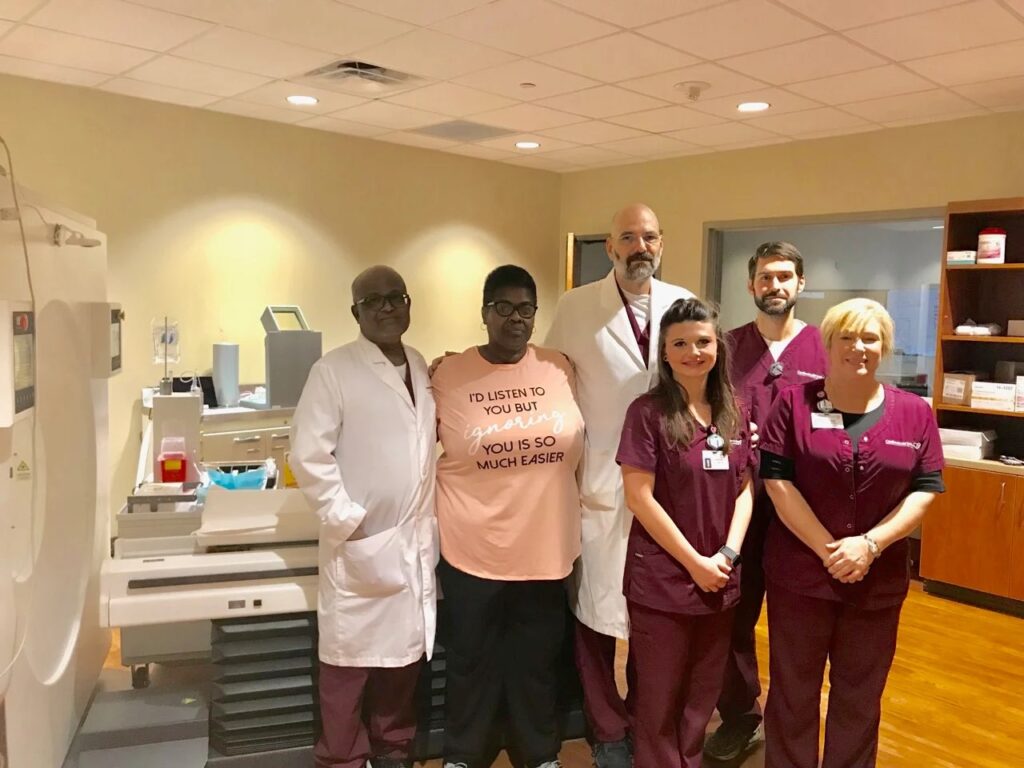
(686, 461)
(851, 466)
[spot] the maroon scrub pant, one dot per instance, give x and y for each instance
(679, 664)
(607, 714)
(859, 645)
(365, 712)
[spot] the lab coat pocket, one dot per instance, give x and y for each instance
(373, 567)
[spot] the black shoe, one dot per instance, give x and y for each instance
(388, 762)
(612, 754)
(732, 740)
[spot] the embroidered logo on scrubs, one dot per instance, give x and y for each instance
(904, 444)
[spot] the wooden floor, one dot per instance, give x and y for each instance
(955, 697)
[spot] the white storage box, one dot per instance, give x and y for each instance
(972, 438)
(965, 452)
(993, 396)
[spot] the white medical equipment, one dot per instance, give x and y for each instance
(290, 348)
(17, 361)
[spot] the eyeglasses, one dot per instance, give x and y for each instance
(524, 309)
(376, 302)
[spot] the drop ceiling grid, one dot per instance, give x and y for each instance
(823, 59)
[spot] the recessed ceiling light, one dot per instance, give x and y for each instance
(527, 85)
(303, 101)
(527, 145)
(753, 106)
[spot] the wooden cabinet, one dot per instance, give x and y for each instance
(968, 538)
(1017, 555)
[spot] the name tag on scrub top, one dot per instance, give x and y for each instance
(714, 460)
(826, 421)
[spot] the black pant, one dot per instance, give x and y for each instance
(504, 641)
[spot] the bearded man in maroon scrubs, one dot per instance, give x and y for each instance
(852, 466)
(772, 352)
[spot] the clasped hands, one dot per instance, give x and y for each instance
(848, 559)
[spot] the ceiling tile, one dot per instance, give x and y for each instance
(752, 144)
(648, 146)
(392, 116)
(603, 101)
(119, 22)
(781, 101)
(526, 27)
(154, 92)
(451, 99)
(51, 47)
(722, 82)
(588, 155)
(733, 28)
(15, 10)
(990, 63)
(936, 118)
(418, 140)
(251, 53)
(526, 117)
(867, 127)
(543, 163)
(974, 24)
(275, 95)
(1016, 5)
(427, 53)
(505, 80)
(667, 119)
(258, 111)
(814, 58)
(890, 80)
(844, 14)
(722, 134)
(635, 13)
(808, 121)
(322, 24)
(996, 94)
(40, 71)
(196, 76)
(616, 58)
(912, 106)
(483, 153)
(417, 11)
(592, 132)
(547, 144)
(324, 123)
(5, 26)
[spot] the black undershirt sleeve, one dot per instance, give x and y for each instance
(775, 467)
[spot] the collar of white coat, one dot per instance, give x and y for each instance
(619, 326)
(388, 372)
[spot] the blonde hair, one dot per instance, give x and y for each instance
(853, 315)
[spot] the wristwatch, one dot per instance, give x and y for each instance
(872, 546)
(730, 554)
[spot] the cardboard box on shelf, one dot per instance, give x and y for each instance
(965, 452)
(1019, 399)
(993, 396)
(956, 388)
(960, 258)
(1015, 328)
(970, 438)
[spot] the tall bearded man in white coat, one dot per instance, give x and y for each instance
(609, 330)
(363, 452)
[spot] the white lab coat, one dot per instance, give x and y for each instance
(592, 329)
(375, 499)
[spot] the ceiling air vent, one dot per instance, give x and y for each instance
(360, 78)
(462, 130)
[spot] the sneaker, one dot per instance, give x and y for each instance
(551, 764)
(730, 741)
(455, 765)
(388, 762)
(612, 754)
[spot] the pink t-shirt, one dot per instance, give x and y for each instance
(508, 505)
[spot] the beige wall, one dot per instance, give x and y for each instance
(906, 168)
(210, 217)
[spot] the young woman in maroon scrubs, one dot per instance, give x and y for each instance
(851, 465)
(685, 460)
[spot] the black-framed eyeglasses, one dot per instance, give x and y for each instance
(376, 301)
(524, 309)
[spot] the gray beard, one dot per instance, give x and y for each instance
(774, 309)
(640, 270)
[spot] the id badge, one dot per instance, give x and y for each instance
(826, 421)
(714, 460)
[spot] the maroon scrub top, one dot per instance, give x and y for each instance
(700, 502)
(750, 366)
(849, 494)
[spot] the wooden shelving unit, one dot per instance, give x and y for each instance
(973, 537)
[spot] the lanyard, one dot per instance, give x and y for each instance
(643, 337)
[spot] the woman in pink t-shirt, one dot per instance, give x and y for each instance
(508, 511)
(685, 457)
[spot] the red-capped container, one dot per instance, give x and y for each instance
(992, 246)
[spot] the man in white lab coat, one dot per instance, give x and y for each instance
(363, 452)
(609, 330)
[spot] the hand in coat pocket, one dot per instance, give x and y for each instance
(372, 567)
